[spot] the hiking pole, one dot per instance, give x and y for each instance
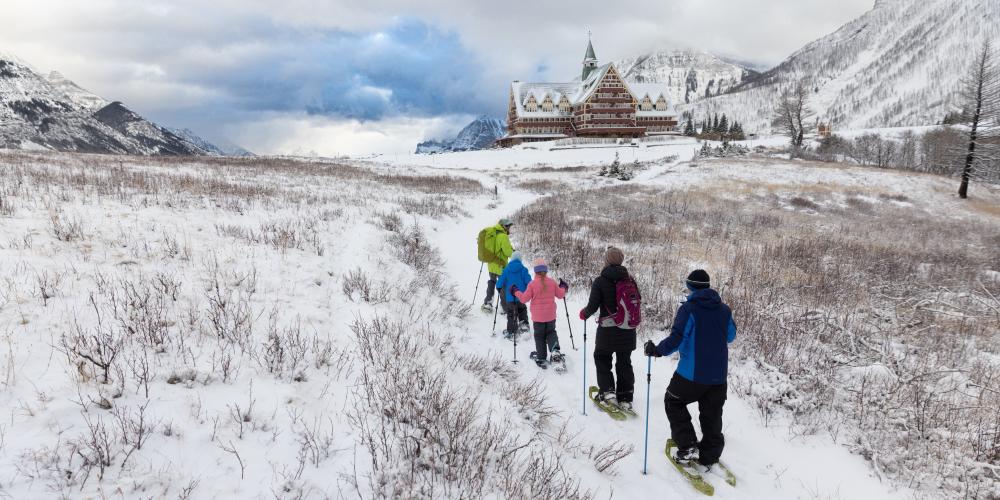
(645, 442)
(568, 324)
(494, 331)
(584, 367)
(516, 335)
(480, 278)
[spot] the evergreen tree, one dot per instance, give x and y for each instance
(616, 167)
(723, 125)
(715, 123)
(689, 128)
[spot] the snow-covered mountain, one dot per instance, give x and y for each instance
(691, 75)
(54, 113)
(899, 64)
(216, 148)
(480, 134)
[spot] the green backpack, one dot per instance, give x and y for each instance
(486, 243)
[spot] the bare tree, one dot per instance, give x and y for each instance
(792, 113)
(981, 99)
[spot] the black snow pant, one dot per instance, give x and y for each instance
(545, 339)
(619, 343)
(491, 288)
(516, 312)
(710, 398)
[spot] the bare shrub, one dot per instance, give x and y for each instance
(97, 448)
(229, 313)
(284, 352)
(389, 222)
(315, 441)
(65, 228)
(99, 346)
(605, 457)
(48, 285)
(542, 186)
(135, 427)
(299, 233)
(805, 203)
(444, 445)
(356, 281)
(6, 206)
(412, 248)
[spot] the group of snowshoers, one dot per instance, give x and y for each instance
(702, 329)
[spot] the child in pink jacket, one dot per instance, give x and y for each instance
(541, 296)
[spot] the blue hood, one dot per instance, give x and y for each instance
(706, 298)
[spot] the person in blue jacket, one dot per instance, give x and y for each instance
(702, 332)
(514, 274)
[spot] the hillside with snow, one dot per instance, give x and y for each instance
(54, 113)
(481, 133)
(691, 75)
(899, 64)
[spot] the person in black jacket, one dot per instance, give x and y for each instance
(611, 340)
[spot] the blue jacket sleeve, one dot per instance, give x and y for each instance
(525, 279)
(670, 345)
(731, 334)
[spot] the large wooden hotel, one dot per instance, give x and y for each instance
(601, 104)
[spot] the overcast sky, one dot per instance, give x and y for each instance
(357, 76)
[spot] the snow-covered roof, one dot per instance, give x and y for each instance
(653, 90)
(577, 92)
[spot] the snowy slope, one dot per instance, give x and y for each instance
(256, 282)
(897, 65)
(219, 149)
(232, 262)
(480, 134)
(83, 98)
(55, 113)
(691, 74)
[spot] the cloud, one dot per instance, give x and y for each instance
(305, 134)
(220, 65)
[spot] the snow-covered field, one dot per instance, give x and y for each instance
(302, 329)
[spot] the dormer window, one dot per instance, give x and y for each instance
(661, 104)
(547, 103)
(647, 104)
(564, 104)
(531, 105)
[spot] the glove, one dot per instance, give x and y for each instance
(583, 314)
(563, 285)
(650, 349)
(513, 289)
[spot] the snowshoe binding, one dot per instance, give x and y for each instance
(558, 361)
(686, 462)
(606, 402)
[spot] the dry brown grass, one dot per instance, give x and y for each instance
(818, 294)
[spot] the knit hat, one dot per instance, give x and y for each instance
(516, 255)
(698, 280)
(614, 257)
(506, 222)
(540, 266)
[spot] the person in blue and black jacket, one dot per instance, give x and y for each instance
(702, 332)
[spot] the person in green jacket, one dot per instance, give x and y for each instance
(499, 245)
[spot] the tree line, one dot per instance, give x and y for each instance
(714, 128)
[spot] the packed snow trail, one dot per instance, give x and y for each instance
(767, 463)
